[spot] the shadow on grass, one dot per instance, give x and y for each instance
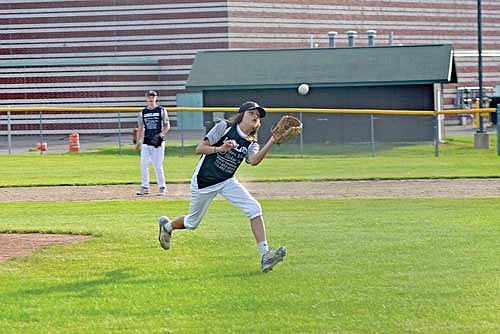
(83, 288)
(116, 278)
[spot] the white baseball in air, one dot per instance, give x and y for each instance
(303, 89)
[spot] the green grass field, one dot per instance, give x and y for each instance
(458, 158)
(353, 266)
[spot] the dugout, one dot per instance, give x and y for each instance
(395, 77)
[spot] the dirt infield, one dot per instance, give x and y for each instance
(422, 188)
(20, 244)
(12, 245)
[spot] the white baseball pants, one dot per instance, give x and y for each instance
(155, 155)
(231, 189)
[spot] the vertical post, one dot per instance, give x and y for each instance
(480, 64)
(436, 134)
(438, 106)
(301, 138)
(498, 129)
(372, 135)
(477, 115)
(41, 132)
(9, 132)
(119, 133)
(180, 121)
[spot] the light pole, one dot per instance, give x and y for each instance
(480, 63)
(481, 138)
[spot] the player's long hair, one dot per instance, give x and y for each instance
(236, 119)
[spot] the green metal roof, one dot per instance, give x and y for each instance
(325, 67)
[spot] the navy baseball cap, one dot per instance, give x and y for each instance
(151, 92)
(252, 105)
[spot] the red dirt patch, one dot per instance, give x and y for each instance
(15, 244)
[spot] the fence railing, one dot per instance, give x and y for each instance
(235, 109)
(121, 120)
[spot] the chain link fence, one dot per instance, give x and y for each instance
(326, 131)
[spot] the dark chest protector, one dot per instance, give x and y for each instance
(222, 166)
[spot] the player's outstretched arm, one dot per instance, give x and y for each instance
(256, 158)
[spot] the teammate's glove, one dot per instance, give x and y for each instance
(157, 140)
(287, 128)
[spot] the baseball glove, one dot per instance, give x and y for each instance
(157, 140)
(288, 127)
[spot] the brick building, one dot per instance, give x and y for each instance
(108, 52)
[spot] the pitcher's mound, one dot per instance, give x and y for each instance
(16, 244)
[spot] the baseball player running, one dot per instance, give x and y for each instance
(222, 151)
(153, 125)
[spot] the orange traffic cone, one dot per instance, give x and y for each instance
(41, 146)
(74, 142)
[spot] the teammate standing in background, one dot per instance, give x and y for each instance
(222, 150)
(153, 120)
